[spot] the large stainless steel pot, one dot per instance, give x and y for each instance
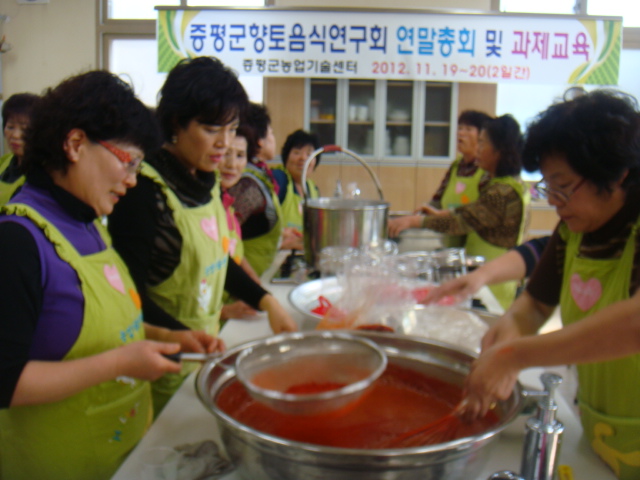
(259, 456)
(349, 222)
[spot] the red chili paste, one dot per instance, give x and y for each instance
(399, 401)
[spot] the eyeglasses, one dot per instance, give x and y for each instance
(550, 193)
(132, 164)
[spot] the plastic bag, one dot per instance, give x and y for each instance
(374, 294)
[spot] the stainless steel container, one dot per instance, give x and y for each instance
(259, 456)
(342, 221)
(348, 222)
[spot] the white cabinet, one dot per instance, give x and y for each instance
(398, 121)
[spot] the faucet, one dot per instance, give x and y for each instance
(541, 448)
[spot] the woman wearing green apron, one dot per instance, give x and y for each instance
(256, 193)
(589, 154)
(296, 150)
(462, 183)
(74, 391)
(495, 222)
(231, 170)
(172, 229)
(16, 112)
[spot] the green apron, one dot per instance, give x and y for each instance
(460, 191)
(261, 251)
(193, 292)
(609, 392)
(88, 435)
(292, 205)
(8, 189)
(236, 248)
(476, 245)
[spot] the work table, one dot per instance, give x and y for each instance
(185, 420)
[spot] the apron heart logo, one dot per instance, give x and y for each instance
(113, 277)
(460, 187)
(464, 199)
(210, 228)
(585, 294)
(225, 244)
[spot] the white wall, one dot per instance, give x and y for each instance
(49, 42)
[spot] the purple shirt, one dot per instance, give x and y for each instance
(62, 311)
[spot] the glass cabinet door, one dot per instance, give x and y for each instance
(437, 125)
(399, 117)
(322, 110)
(361, 114)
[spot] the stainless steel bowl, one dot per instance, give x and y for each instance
(274, 370)
(259, 456)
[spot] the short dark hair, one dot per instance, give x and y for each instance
(598, 133)
(255, 126)
(299, 139)
(259, 119)
(201, 89)
(18, 104)
(97, 102)
(504, 134)
(473, 118)
(247, 133)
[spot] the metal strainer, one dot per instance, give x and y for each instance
(308, 373)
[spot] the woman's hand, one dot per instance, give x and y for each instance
(279, 320)
(144, 359)
(397, 225)
(459, 288)
(51, 381)
(291, 239)
(505, 329)
(429, 210)
(197, 341)
(492, 378)
(237, 310)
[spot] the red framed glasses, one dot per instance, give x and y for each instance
(132, 164)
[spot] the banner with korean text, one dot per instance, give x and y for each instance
(552, 49)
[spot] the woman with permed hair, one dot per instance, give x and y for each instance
(172, 229)
(16, 115)
(296, 150)
(74, 362)
(462, 183)
(495, 222)
(256, 201)
(588, 151)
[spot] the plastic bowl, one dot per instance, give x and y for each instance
(310, 373)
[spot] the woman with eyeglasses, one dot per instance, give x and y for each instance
(588, 151)
(16, 114)
(172, 229)
(495, 222)
(74, 363)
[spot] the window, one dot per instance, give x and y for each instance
(128, 45)
(136, 60)
(539, 6)
(137, 10)
(629, 11)
(145, 9)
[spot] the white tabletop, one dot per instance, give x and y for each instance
(185, 420)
